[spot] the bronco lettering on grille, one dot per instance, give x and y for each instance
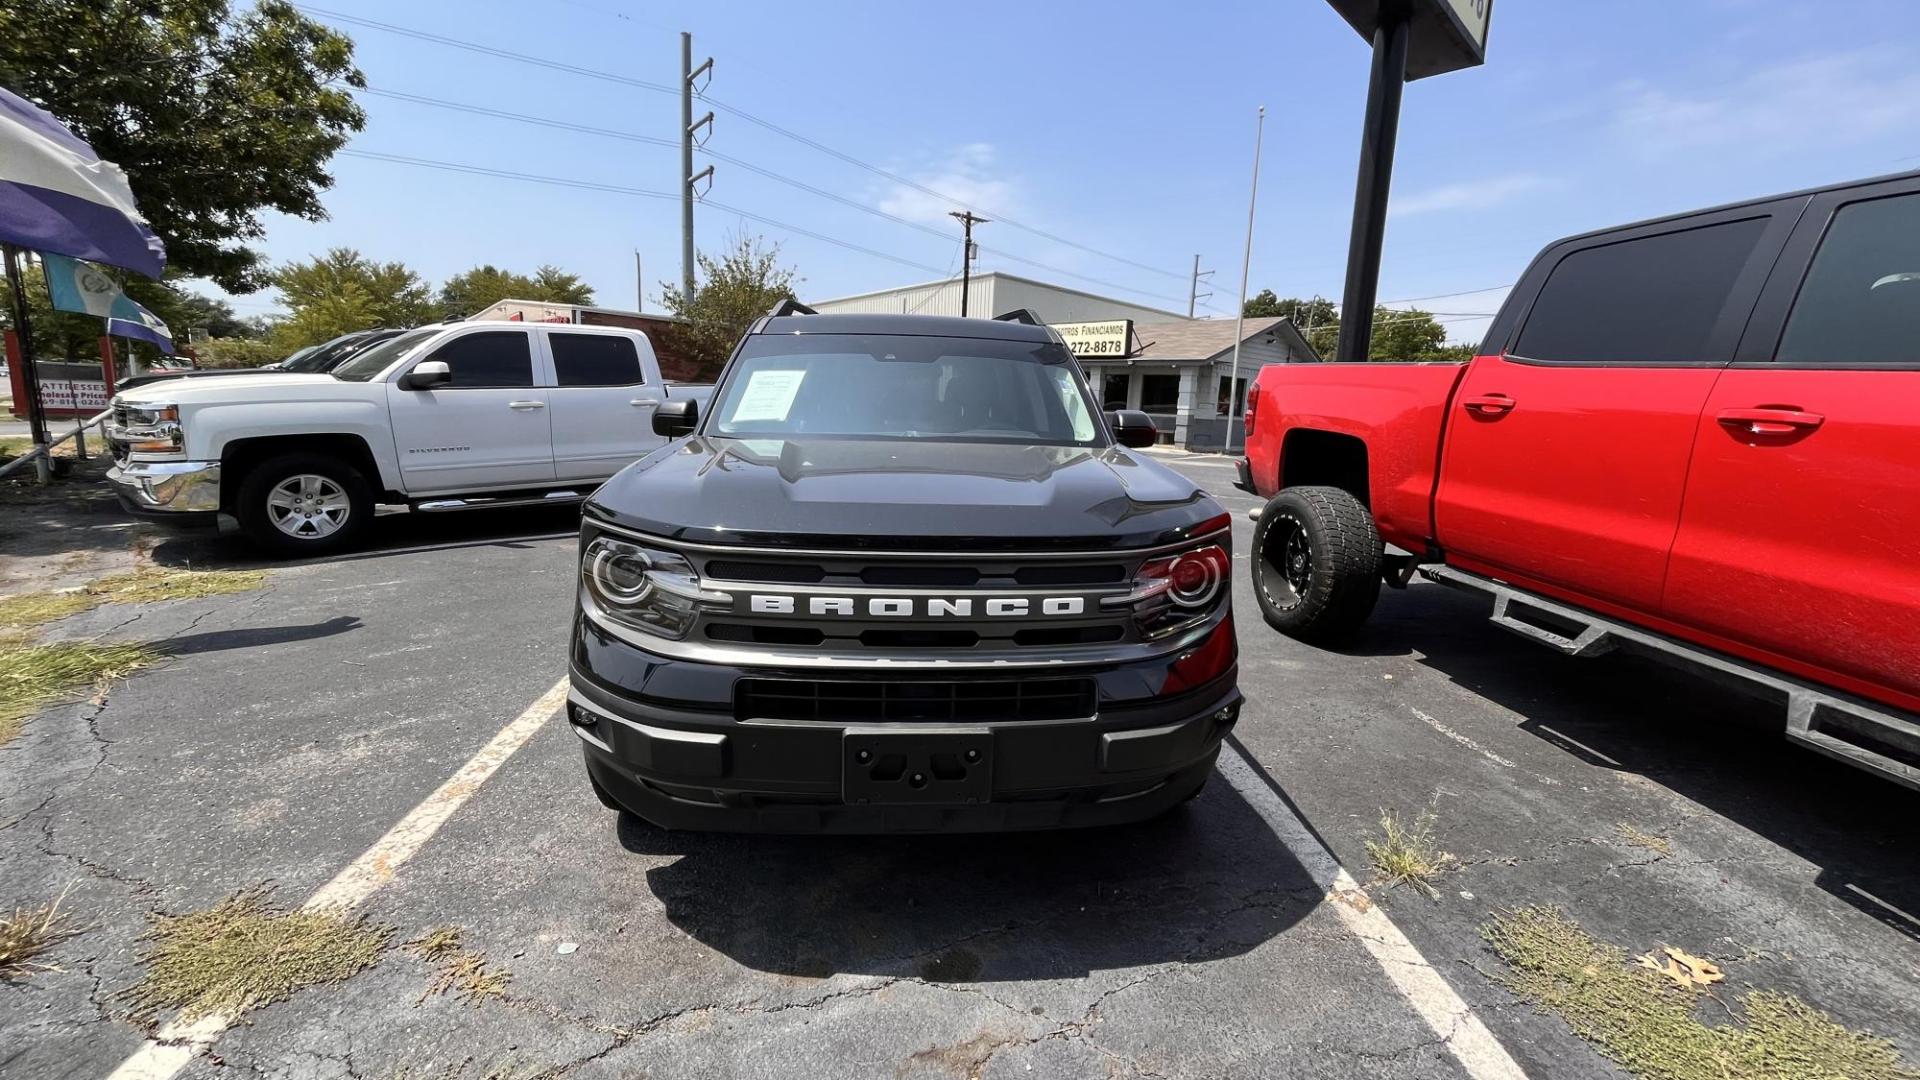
(908, 607)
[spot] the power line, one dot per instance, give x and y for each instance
(485, 50)
(479, 170)
(542, 121)
(733, 110)
(769, 174)
(588, 185)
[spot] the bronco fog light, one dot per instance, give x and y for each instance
(646, 588)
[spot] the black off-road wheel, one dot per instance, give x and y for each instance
(300, 505)
(1316, 564)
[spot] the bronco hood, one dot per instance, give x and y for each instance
(902, 493)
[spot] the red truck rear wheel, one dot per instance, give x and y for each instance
(1316, 564)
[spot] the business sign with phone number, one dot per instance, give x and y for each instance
(1112, 338)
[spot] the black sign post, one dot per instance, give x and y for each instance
(1411, 40)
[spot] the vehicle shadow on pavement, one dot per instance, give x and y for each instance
(390, 535)
(1200, 883)
(1723, 750)
(254, 637)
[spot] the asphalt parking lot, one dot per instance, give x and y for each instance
(293, 727)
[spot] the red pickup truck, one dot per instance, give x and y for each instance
(1697, 438)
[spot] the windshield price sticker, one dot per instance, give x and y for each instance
(768, 396)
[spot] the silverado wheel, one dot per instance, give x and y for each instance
(304, 504)
(1316, 564)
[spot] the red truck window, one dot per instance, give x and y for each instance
(1860, 303)
(1650, 300)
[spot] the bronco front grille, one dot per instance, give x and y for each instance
(913, 701)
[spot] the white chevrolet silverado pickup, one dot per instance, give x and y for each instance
(448, 417)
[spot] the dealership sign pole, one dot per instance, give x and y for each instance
(1411, 39)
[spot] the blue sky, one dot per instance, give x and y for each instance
(1123, 127)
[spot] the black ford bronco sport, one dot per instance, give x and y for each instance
(903, 577)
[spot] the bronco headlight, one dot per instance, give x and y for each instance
(1177, 591)
(646, 588)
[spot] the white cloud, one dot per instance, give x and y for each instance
(1825, 100)
(969, 175)
(1471, 195)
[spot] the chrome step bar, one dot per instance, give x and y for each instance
(481, 502)
(1864, 734)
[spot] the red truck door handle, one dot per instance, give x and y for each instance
(1771, 421)
(1489, 404)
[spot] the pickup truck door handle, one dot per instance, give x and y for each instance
(642, 401)
(524, 405)
(1489, 404)
(1771, 420)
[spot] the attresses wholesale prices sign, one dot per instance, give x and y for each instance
(1112, 338)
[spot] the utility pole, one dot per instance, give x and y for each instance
(967, 222)
(639, 284)
(688, 179)
(1193, 295)
(1246, 266)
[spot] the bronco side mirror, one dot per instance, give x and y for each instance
(1131, 427)
(676, 418)
(426, 375)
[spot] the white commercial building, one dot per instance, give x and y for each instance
(1175, 369)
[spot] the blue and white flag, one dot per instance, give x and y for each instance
(57, 195)
(76, 286)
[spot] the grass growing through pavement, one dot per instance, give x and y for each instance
(1640, 1019)
(35, 675)
(27, 933)
(1405, 852)
(1659, 845)
(243, 953)
(27, 610)
(462, 972)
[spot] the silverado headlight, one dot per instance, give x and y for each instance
(1176, 591)
(150, 415)
(646, 588)
(151, 429)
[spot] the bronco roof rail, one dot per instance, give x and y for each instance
(790, 306)
(1019, 315)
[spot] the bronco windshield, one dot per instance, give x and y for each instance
(884, 386)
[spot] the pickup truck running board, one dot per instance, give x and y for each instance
(480, 502)
(1861, 733)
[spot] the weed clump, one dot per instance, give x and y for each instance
(1644, 1022)
(30, 931)
(35, 675)
(1405, 853)
(243, 953)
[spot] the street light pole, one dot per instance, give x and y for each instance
(1246, 265)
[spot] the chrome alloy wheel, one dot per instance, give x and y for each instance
(307, 506)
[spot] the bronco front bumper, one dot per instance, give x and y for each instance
(679, 744)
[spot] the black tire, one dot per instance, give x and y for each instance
(258, 519)
(1316, 564)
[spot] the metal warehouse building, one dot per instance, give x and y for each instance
(1175, 369)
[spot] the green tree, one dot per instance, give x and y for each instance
(344, 290)
(741, 285)
(484, 286)
(1303, 313)
(216, 116)
(1397, 335)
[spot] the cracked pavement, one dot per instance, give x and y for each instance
(292, 726)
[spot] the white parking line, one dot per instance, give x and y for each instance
(1450, 1017)
(176, 1044)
